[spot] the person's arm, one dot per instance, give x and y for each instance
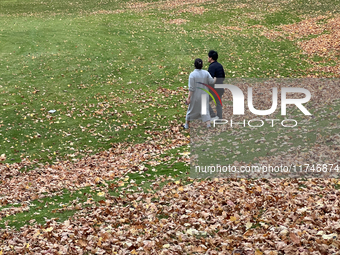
(187, 101)
(221, 76)
(211, 80)
(211, 70)
(192, 88)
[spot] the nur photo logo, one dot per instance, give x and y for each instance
(238, 101)
(204, 97)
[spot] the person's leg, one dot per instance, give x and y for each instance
(187, 118)
(219, 109)
(219, 106)
(211, 111)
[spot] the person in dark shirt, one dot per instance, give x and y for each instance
(216, 71)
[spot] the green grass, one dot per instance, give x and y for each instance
(46, 8)
(70, 77)
(91, 69)
(104, 75)
(92, 86)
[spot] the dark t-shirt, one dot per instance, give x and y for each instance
(216, 70)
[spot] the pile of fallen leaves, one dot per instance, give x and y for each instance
(107, 12)
(223, 28)
(321, 45)
(297, 30)
(19, 186)
(304, 28)
(326, 44)
(193, 9)
(178, 21)
(223, 215)
(168, 5)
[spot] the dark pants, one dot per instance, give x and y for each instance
(220, 92)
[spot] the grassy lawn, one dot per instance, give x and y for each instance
(102, 73)
(84, 82)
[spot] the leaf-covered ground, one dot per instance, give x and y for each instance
(93, 156)
(210, 217)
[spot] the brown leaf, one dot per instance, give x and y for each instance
(294, 238)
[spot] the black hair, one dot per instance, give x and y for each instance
(213, 54)
(198, 63)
